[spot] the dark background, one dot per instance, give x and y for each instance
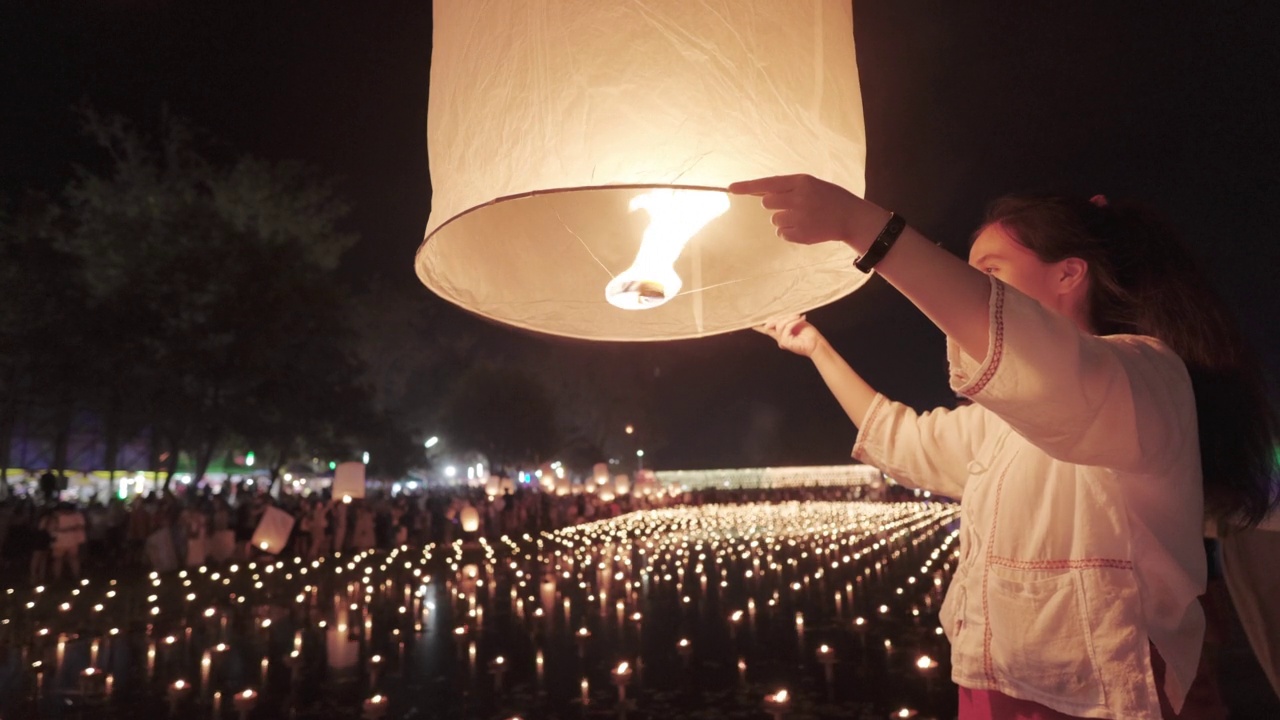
(1172, 103)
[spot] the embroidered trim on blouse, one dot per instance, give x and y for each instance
(997, 349)
(859, 444)
(1068, 564)
(987, 663)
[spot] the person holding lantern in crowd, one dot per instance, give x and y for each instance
(1113, 404)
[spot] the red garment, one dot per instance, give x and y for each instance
(993, 705)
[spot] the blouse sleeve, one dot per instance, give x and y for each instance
(930, 451)
(1121, 401)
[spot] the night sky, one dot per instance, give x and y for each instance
(1168, 102)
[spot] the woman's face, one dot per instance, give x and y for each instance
(997, 253)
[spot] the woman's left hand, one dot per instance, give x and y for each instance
(809, 210)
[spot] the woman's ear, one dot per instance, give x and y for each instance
(1072, 275)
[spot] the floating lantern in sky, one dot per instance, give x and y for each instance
(273, 530)
(349, 480)
(469, 517)
(580, 150)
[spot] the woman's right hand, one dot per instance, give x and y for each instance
(793, 333)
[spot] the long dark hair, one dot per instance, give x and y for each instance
(1143, 280)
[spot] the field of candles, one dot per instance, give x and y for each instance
(796, 610)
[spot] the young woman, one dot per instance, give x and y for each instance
(1112, 406)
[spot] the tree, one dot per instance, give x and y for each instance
(44, 327)
(598, 390)
(217, 280)
(410, 351)
(503, 413)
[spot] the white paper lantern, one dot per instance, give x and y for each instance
(470, 519)
(558, 130)
(348, 480)
(273, 530)
(547, 593)
(341, 651)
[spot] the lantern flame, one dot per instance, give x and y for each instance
(675, 216)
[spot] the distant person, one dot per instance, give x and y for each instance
(1112, 406)
(362, 534)
(321, 534)
(6, 521)
(39, 541)
(68, 530)
(195, 524)
(49, 485)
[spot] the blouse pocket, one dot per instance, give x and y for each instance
(1040, 636)
(951, 614)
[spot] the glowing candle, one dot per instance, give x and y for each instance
(622, 676)
(375, 707)
(685, 649)
(800, 632)
(498, 666)
(585, 687)
(927, 665)
(244, 702)
(175, 693)
(776, 704)
(206, 665)
(827, 656)
(860, 627)
(86, 680)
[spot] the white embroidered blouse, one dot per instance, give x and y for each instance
(1078, 474)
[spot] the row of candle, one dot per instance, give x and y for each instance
(772, 552)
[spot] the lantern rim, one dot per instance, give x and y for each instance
(424, 268)
(559, 190)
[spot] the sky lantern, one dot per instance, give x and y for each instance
(272, 533)
(469, 517)
(349, 480)
(579, 151)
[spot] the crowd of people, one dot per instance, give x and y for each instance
(50, 540)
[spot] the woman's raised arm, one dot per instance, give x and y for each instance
(949, 292)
